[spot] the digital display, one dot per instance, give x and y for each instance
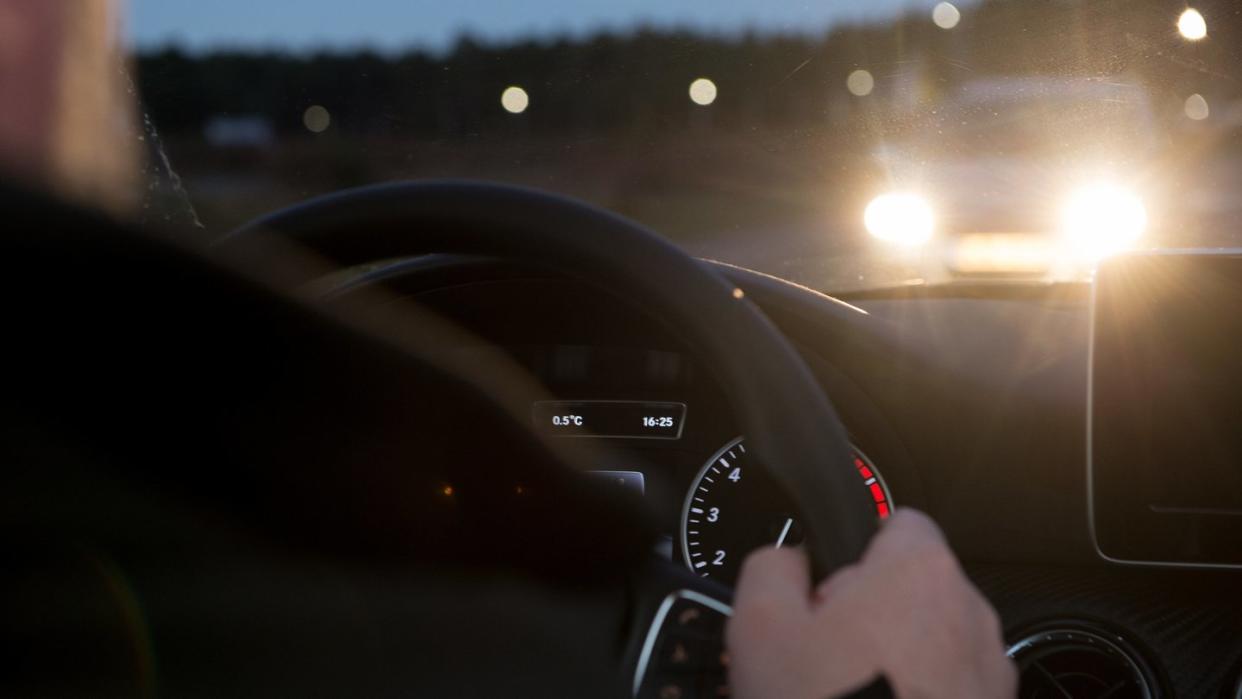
(1166, 409)
(608, 418)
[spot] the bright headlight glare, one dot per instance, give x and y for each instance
(901, 218)
(1103, 219)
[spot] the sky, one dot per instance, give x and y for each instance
(434, 24)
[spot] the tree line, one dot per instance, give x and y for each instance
(637, 81)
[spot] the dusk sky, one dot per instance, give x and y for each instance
(397, 24)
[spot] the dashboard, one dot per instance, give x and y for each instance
(968, 402)
(669, 430)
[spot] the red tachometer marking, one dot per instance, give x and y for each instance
(877, 491)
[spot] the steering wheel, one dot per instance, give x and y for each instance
(788, 421)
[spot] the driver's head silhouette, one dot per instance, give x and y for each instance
(67, 123)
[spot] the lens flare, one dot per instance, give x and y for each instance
(514, 99)
(1103, 219)
(860, 83)
(1196, 107)
(316, 118)
(1191, 25)
(902, 218)
(702, 92)
(946, 15)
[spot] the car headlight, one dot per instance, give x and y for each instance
(1103, 219)
(905, 219)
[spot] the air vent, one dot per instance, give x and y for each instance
(1077, 661)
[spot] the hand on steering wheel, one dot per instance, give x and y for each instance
(904, 612)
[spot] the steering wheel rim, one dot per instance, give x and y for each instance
(788, 420)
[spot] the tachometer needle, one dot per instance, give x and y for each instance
(784, 532)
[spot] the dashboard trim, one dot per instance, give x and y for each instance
(1090, 389)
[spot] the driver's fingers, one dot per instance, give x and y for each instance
(836, 583)
(775, 577)
(906, 533)
(772, 601)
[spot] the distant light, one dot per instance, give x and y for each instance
(905, 219)
(514, 99)
(1103, 219)
(316, 119)
(1002, 253)
(702, 92)
(738, 293)
(1196, 107)
(1192, 25)
(447, 491)
(860, 83)
(946, 15)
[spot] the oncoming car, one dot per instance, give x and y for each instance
(1031, 178)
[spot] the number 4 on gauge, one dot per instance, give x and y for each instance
(760, 513)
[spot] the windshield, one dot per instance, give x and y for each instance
(843, 144)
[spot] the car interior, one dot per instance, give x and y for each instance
(475, 435)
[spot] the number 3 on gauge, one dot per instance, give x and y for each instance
(733, 507)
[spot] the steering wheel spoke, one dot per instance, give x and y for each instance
(677, 643)
(683, 653)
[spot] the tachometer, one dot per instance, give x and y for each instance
(733, 507)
